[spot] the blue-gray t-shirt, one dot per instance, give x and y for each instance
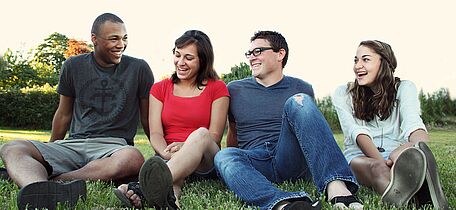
(257, 110)
(106, 100)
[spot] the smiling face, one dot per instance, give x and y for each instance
(366, 66)
(187, 63)
(265, 64)
(110, 43)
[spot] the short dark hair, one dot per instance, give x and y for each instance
(102, 19)
(205, 55)
(276, 40)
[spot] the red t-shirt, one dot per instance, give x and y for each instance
(182, 115)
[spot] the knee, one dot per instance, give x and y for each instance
(225, 157)
(199, 136)
(299, 100)
(131, 160)
(13, 147)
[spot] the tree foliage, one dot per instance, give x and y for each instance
(237, 72)
(76, 47)
(16, 71)
(51, 51)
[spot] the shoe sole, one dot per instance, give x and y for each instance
(47, 194)
(155, 181)
(432, 179)
(407, 176)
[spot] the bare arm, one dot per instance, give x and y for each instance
(219, 112)
(231, 136)
(144, 115)
(415, 137)
(62, 118)
(157, 140)
(368, 147)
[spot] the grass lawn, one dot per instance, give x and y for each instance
(214, 195)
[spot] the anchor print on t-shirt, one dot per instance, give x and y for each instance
(102, 99)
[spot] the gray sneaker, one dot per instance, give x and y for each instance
(407, 176)
(432, 182)
(47, 194)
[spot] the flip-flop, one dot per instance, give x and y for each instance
(134, 186)
(47, 194)
(346, 202)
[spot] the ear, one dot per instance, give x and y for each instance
(281, 55)
(93, 37)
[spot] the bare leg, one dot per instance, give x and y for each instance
(371, 173)
(24, 162)
(123, 164)
(197, 153)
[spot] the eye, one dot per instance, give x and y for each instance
(355, 60)
(366, 59)
(189, 58)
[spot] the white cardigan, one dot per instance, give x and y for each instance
(390, 133)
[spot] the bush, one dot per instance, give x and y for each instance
(327, 109)
(31, 108)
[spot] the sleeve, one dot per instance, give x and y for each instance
(158, 90)
(219, 90)
(344, 108)
(409, 108)
(66, 86)
(146, 79)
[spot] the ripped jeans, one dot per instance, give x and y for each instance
(305, 149)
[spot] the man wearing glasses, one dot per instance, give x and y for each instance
(102, 96)
(276, 133)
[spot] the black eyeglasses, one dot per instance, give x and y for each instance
(257, 51)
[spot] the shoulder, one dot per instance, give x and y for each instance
(216, 83)
(132, 61)
(240, 83)
(406, 84)
(406, 88)
(82, 58)
(298, 82)
(164, 82)
(341, 90)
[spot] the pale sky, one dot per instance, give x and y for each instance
(322, 35)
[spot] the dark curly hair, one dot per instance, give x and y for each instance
(368, 104)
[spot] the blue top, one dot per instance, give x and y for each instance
(257, 110)
(389, 133)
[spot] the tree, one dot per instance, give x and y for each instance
(51, 52)
(16, 71)
(237, 72)
(76, 47)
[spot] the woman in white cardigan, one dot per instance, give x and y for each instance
(384, 133)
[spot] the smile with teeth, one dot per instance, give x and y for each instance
(255, 65)
(361, 74)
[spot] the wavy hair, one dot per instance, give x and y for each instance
(366, 103)
(205, 55)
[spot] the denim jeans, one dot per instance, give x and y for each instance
(305, 149)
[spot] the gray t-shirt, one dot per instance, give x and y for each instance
(106, 99)
(257, 110)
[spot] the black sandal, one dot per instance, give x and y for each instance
(134, 186)
(349, 201)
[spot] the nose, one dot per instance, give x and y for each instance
(121, 43)
(358, 65)
(181, 61)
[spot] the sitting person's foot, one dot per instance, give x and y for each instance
(156, 183)
(130, 195)
(47, 194)
(340, 197)
(407, 177)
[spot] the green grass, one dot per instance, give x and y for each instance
(214, 195)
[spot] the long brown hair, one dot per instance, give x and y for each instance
(205, 54)
(368, 104)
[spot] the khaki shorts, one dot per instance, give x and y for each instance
(68, 155)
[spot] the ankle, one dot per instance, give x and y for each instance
(337, 188)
